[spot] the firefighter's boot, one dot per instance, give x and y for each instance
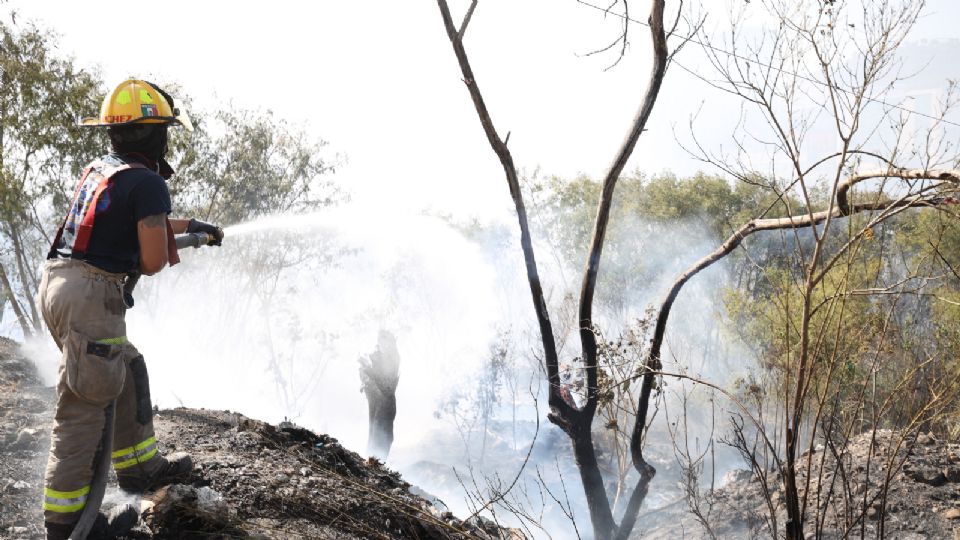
(171, 469)
(114, 523)
(58, 531)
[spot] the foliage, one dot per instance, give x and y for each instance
(890, 300)
(646, 211)
(240, 165)
(42, 96)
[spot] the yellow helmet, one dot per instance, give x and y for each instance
(137, 102)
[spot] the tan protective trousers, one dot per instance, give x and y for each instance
(84, 310)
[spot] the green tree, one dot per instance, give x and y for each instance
(240, 165)
(41, 153)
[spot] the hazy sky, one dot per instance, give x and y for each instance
(378, 80)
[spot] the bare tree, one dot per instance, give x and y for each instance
(835, 61)
(576, 421)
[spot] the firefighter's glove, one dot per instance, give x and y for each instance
(215, 232)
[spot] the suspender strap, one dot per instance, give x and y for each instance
(52, 254)
(85, 228)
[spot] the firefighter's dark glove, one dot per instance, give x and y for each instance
(215, 232)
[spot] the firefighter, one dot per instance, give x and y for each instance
(117, 225)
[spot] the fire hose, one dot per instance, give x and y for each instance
(101, 461)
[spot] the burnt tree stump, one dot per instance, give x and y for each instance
(379, 375)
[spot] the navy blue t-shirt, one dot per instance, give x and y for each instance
(132, 195)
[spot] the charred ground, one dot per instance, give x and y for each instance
(251, 479)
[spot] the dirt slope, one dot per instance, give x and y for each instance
(251, 479)
(25, 417)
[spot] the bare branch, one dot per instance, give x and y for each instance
(951, 175)
(466, 20)
(622, 38)
(587, 337)
(501, 494)
(558, 406)
(945, 261)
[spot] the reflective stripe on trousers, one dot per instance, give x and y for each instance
(132, 455)
(65, 502)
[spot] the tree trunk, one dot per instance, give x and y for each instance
(794, 525)
(21, 317)
(380, 374)
(25, 281)
(575, 422)
(598, 504)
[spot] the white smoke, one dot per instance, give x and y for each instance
(272, 324)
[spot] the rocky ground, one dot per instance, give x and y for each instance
(252, 479)
(25, 417)
(886, 485)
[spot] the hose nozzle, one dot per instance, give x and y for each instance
(194, 240)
